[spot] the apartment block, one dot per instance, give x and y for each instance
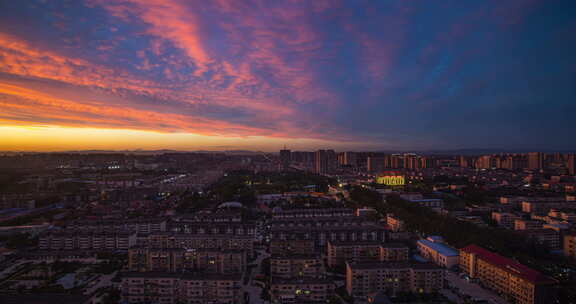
(393, 252)
(296, 266)
(196, 241)
(505, 219)
(363, 279)
(338, 253)
(518, 283)
(394, 223)
(140, 225)
(172, 288)
(86, 240)
(305, 290)
(313, 213)
(549, 238)
(297, 246)
(321, 235)
(570, 245)
(325, 222)
(526, 224)
(216, 228)
(437, 252)
(179, 259)
(546, 206)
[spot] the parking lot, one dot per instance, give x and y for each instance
(459, 290)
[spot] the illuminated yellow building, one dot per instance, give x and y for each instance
(391, 180)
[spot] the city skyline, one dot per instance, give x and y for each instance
(259, 75)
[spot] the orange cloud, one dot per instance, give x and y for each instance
(170, 20)
(255, 87)
(18, 57)
(27, 103)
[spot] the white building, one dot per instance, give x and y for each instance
(434, 250)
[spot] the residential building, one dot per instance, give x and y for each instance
(172, 288)
(296, 266)
(363, 279)
(140, 225)
(321, 235)
(304, 290)
(325, 161)
(179, 259)
(505, 219)
(339, 252)
(196, 241)
(535, 160)
(520, 224)
(570, 245)
(518, 283)
(549, 238)
(395, 223)
(393, 252)
(437, 252)
(86, 240)
(314, 213)
(295, 246)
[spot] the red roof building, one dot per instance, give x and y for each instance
(507, 277)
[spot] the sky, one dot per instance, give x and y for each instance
(261, 75)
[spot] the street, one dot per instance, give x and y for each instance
(253, 290)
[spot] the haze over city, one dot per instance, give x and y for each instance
(258, 75)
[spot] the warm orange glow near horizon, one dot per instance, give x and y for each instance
(55, 138)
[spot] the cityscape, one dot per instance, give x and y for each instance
(287, 152)
(288, 227)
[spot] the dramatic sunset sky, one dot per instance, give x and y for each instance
(240, 74)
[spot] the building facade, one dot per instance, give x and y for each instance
(179, 259)
(438, 252)
(363, 279)
(295, 291)
(173, 288)
(296, 266)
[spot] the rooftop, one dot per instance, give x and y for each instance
(183, 275)
(392, 265)
(441, 248)
(301, 281)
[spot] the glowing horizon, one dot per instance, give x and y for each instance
(56, 139)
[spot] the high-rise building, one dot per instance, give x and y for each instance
(535, 160)
(376, 164)
(285, 157)
(325, 161)
(484, 162)
(410, 161)
(465, 162)
(396, 161)
(347, 159)
(571, 164)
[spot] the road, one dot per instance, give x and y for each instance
(10, 269)
(252, 289)
(103, 281)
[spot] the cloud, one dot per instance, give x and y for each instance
(374, 71)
